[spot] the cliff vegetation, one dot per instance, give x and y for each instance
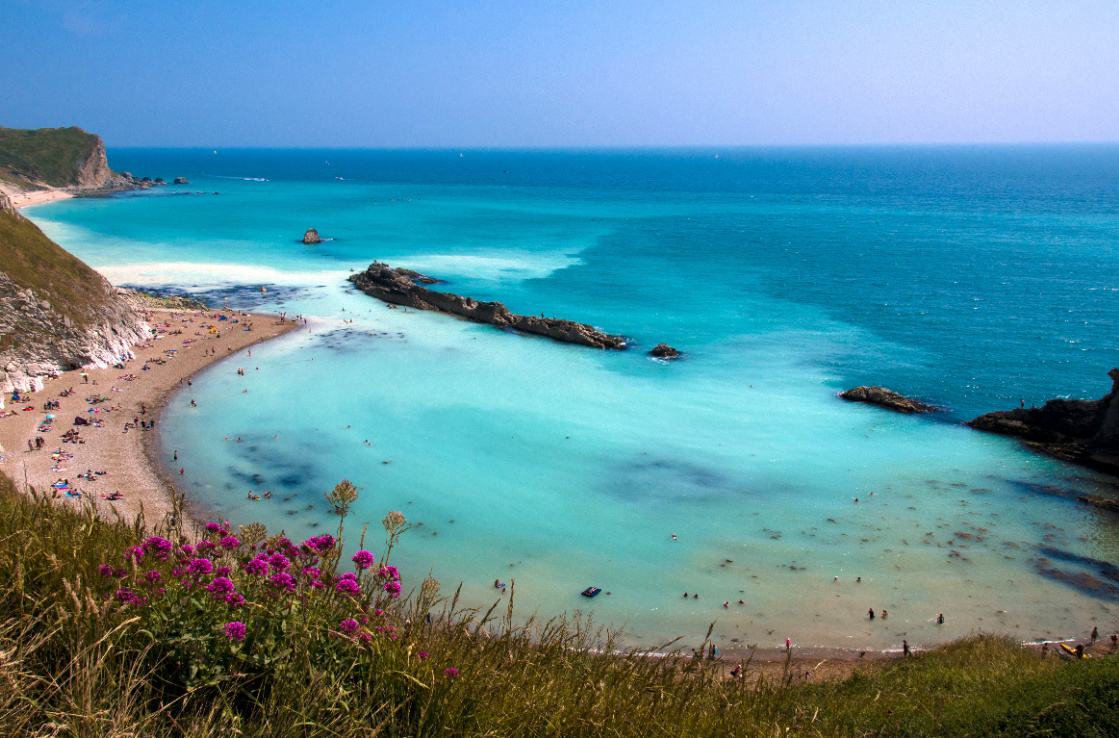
(55, 311)
(113, 627)
(52, 157)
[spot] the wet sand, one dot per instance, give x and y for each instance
(127, 457)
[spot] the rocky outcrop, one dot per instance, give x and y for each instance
(664, 351)
(886, 399)
(1082, 431)
(397, 287)
(312, 236)
(181, 180)
(93, 170)
(55, 312)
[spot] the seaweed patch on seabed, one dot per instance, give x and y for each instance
(284, 470)
(351, 338)
(670, 480)
(1083, 581)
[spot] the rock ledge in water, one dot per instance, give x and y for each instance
(664, 351)
(398, 286)
(887, 399)
(312, 236)
(1082, 431)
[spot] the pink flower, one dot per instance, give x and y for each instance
(279, 562)
(348, 587)
(200, 566)
(135, 552)
(235, 631)
(229, 542)
(233, 599)
(423, 654)
(221, 586)
(257, 566)
(451, 672)
(393, 588)
(213, 527)
(223, 571)
(158, 547)
(106, 570)
(348, 626)
(363, 560)
(283, 581)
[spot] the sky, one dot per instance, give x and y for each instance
(574, 73)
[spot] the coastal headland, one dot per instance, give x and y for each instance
(120, 400)
(399, 287)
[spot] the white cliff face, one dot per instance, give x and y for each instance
(37, 339)
(45, 342)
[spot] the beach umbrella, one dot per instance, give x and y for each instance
(50, 417)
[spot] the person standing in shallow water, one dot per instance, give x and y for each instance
(870, 613)
(905, 648)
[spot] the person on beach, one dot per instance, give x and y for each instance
(788, 645)
(940, 619)
(1095, 634)
(870, 613)
(905, 648)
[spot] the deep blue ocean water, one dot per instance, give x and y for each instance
(972, 278)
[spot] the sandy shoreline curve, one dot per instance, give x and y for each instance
(36, 197)
(128, 458)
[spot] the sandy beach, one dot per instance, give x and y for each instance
(36, 197)
(119, 457)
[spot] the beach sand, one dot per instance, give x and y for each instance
(35, 197)
(124, 456)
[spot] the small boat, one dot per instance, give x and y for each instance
(590, 591)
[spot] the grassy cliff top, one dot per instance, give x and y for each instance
(35, 262)
(49, 155)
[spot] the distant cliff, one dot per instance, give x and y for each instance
(1083, 431)
(55, 312)
(398, 286)
(60, 158)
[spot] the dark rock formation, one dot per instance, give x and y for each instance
(181, 180)
(398, 287)
(312, 236)
(1102, 503)
(1082, 431)
(887, 399)
(664, 351)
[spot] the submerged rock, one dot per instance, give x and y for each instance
(398, 286)
(886, 399)
(181, 180)
(1082, 431)
(312, 236)
(664, 351)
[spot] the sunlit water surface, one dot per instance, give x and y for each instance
(970, 278)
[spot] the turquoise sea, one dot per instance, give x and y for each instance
(971, 278)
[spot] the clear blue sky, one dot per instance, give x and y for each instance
(510, 73)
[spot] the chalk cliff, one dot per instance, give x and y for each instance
(56, 313)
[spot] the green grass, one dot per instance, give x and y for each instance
(48, 155)
(74, 664)
(33, 261)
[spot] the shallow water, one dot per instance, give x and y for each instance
(970, 278)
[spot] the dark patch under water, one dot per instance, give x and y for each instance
(1085, 582)
(238, 296)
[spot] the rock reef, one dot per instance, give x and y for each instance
(664, 351)
(312, 236)
(399, 287)
(1082, 431)
(887, 399)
